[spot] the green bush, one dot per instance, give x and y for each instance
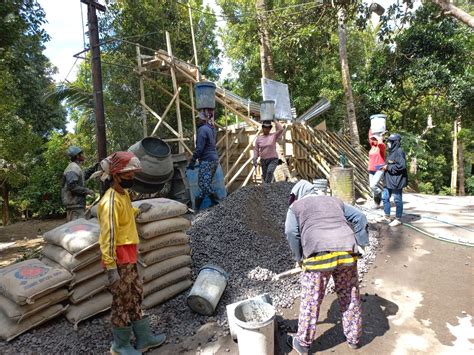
(426, 188)
(469, 183)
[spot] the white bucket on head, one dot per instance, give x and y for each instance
(267, 110)
(207, 289)
(377, 123)
(256, 321)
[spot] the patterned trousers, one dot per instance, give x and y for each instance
(313, 286)
(268, 169)
(207, 170)
(127, 296)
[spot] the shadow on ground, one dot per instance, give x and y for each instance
(376, 311)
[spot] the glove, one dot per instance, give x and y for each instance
(191, 165)
(145, 207)
(361, 250)
(112, 277)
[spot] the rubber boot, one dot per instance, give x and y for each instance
(121, 344)
(145, 338)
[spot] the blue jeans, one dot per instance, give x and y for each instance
(397, 197)
(374, 178)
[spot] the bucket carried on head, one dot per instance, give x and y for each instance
(205, 94)
(207, 289)
(256, 327)
(378, 123)
(267, 110)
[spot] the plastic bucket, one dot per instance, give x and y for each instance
(207, 289)
(256, 332)
(267, 110)
(205, 94)
(342, 183)
(377, 123)
(155, 158)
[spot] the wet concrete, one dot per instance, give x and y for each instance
(417, 299)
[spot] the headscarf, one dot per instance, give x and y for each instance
(207, 114)
(304, 188)
(116, 163)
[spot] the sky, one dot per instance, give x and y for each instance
(65, 27)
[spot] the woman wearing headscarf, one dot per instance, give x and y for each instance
(324, 245)
(118, 243)
(265, 149)
(206, 153)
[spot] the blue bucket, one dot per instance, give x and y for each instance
(205, 95)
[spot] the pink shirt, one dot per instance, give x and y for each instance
(265, 146)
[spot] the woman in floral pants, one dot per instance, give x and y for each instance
(323, 244)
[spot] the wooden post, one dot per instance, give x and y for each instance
(142, 91)
(454, 171)
(242, 154)
(191, 96)
(462, 178)
(175, 88)
(166, 112)
(194, 41)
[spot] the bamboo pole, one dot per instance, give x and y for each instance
(166, 112)
(175, 88)
(191, 95)
(249, 176)
(194, 40)
(236, 175)
(242, 154)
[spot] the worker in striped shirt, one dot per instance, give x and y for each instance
(324, 245)
(118, 243)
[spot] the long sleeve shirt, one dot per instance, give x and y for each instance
(326, 228)
(265, 145)
(118, 231)
(205, 144)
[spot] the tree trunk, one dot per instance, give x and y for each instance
(451, 10)
(5, 212)
(266, 56)
(346, 80)
(461, 190)
(454, 170)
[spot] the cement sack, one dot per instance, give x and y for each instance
(162, 241)
(165, 294)
(162, 208)
(69, 261)
(156, 256)
(76, 236)
(29, 280)
(10, 329)
(165, 226)
(99, 303)
(88, 288)
(159, 269)
(87, 273)
(164, 281)
(18, 313)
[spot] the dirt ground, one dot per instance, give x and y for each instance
(417, 299)
(23, 238)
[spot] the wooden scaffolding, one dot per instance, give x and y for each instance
(307, 153)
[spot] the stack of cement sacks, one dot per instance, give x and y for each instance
(31, 293)
(164, 251)
(75, 247)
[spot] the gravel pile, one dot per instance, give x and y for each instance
(244, 235)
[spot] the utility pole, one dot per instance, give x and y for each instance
(92, 6)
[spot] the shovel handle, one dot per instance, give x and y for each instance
(294, 271)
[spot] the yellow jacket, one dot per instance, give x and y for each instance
(117, 224)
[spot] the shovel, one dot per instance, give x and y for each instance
(287, 273)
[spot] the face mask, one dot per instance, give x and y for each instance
(126, 184)
(389, 145)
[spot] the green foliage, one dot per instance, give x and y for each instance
(42, 193)
(426, 188)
